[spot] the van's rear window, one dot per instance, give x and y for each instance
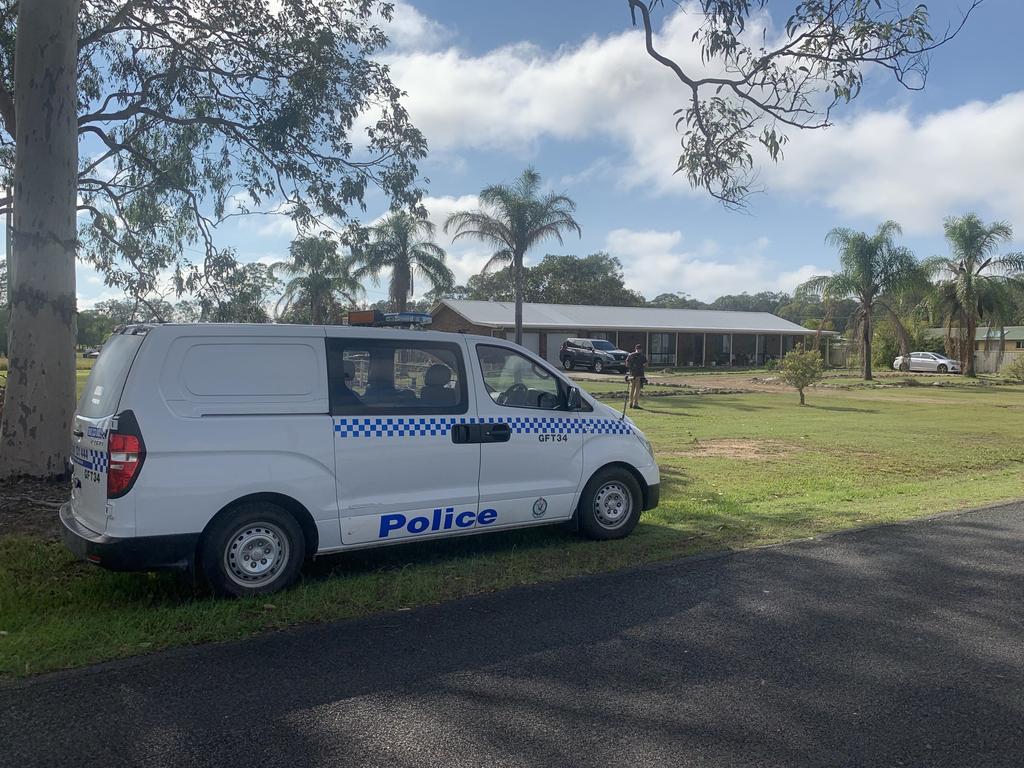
(103, 390)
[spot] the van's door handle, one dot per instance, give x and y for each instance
(461, 434)
(78, 433)
(497, 433)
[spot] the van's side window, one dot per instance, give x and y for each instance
(380, 377)
(515, 381)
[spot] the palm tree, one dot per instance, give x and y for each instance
(318, 275)
(513, 219)
(974, 285)
(402, 244)
(874, 273)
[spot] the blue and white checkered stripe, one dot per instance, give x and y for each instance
(90, 458)
(440, 426)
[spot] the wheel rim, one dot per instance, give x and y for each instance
(598, 366)
(256, 554)
(613, 504)
(942, 369)
(567, 364)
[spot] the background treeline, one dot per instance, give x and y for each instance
(556, 279)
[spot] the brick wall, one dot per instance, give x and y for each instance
(446, 319)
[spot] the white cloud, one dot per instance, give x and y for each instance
(657, 262)
(411, 30)
(514, 96)
(878, 164)
(888, 165)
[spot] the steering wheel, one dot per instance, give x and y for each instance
(503, 398)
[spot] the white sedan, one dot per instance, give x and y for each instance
(930, 362)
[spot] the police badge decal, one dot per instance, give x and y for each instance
(540, 506)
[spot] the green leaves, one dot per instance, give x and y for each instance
(320, 278)
(401, 244)
(754, 93)
(193, 112)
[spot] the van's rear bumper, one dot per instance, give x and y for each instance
(138, 553)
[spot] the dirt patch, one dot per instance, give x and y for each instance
(29, 507)
(756, 450)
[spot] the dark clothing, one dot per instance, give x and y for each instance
(635, 362)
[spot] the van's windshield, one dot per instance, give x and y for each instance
(103, 390)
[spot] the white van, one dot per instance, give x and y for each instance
(242, 450)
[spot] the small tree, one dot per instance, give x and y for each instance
(800, 368)
(1015, 369)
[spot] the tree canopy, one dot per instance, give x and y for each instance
(403, 246)
(557, 279)
(513, 219)
(193, 112)
(975, 284)
(319, 282)
(754, 89)
(874, 272)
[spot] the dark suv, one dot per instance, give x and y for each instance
(591, 353)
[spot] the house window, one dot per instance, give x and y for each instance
(663, 349)
(1020, 345)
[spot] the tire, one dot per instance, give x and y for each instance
(252, 527)
(568, 364)
(610, 505)
(943, 369)
(598, 366)
(905, 367)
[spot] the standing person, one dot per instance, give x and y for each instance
(635, 362)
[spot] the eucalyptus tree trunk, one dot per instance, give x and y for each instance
(517, 287)
(39, 403)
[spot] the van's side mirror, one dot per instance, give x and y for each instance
(573, 401)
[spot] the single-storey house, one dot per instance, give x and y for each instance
(993, 350)
(990, 340)
(671, 337)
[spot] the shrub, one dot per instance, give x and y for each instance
(1014, 369)
(800, 368)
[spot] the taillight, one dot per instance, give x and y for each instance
(125, 452)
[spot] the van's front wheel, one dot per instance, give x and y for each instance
(610, 504)
(254, 549)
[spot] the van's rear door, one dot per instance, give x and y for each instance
(93, 419)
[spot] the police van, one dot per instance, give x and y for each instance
(240, 451)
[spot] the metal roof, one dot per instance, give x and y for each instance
(1010, 333)
(501, 314)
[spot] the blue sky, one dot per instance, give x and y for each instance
(567, 88)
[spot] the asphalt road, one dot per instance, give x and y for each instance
(893, 646)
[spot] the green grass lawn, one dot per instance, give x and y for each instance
(737, 470)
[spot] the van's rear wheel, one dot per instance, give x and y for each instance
(254, 549)
(610, 505)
